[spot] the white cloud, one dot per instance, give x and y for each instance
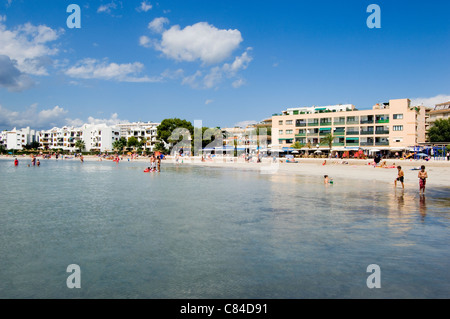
(107, 7)
(244, 124)
(43, 119)
(11, 77)
(28, 45)
(113, 120)
(238, 83)
(94, 69)
(200, 41)
(239, 63)
(216, 74)
(208, 102)
(2, 18)
(48, 118)
(430, 101)
(157, 25)
(145, 41)
(8, 3)
(192, 79)
(145, 6)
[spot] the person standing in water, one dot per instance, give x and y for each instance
(400, 177)
(16, 162)
(159, 163)
(423, 175)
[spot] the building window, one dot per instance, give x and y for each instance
(289, 132)
(280, 132)
(280, 122)
(398, 116)
(398, 127)
(289, 122)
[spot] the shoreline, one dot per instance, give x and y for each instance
(438, 171)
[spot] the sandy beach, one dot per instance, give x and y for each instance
(438, 171)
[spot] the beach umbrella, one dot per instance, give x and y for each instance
(295, 152)
(318, 151)
(422, 155)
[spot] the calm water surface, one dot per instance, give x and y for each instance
(192, 232)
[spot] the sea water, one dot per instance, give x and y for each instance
(198, 232)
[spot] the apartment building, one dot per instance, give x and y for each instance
(96, 137)
(18, 139)
(394, 125)
(142, 131)
(439, 112)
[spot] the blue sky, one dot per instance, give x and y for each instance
(223, 62)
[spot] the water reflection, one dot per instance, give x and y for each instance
(423, 207)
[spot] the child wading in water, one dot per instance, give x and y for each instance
(422, 179)
(400, 177)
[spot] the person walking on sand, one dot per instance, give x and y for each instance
(400, 177)
(423, 175)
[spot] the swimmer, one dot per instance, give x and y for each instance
(400, 177)
(423, 175)
(327, 180)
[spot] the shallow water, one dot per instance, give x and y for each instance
(193, 232)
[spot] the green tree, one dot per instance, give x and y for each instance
(120, 144)
(32, 145)
(168, 126)
(440, 131)
(132, 142)
(297, 145)
(80, 145)
(328, 140)
(159, 147)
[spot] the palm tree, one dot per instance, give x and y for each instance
(80, 145)
(297, 145)
(328, 140)
(308, 145)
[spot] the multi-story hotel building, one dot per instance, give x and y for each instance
(388, 126)
(98, 137)
(440, 112)
(141, 131)
(18, 139)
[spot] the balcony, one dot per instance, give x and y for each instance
(338, 144)
(324, 133)
(339, 133)
(366, 122)
(351, 122)
(352, 144)
(367, 143)
(381, 132)
(352, 132)
(339, 122)
(366, 132)
(313, 124)
(300, 135)
(300, 124)
(325, 123)
(382, 121)
(386, 143)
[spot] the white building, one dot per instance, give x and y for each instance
(100, 137)
(96, 137)
(141, 131)
(18, 139)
